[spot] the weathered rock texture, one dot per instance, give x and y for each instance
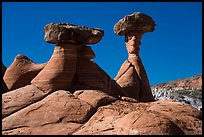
(59, 110)
(83, 112)
(132, 76)
(155, 118)
(95, 98)
(57, 33)
(70, 67)
(21, 72)
(136, 21)
(22, 97)
(60, 69)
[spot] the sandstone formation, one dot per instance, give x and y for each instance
(57, 33)
(70, 67)
(22, 97)
(194, 82)
(154, 118)
(21, 72)
(72, 95)
(60, 69)
(132, 76)
(94, 112)
(187, 90)
(95, 98)
(59, 110)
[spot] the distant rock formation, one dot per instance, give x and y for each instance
(72, 95)
(132, 76)
(188, 90)
(194, 83)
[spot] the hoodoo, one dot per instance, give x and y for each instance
(132, 76)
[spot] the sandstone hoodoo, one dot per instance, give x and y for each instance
(70, 67)
(136, 21)
(132, 76)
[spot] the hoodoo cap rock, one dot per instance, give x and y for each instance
(57, 33)
(134, 22)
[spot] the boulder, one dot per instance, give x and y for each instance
(95, 98)
(57, 33)
(136, 21)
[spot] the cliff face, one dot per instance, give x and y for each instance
(188, 90)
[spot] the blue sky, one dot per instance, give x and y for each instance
(172, 51)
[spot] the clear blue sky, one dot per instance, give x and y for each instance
(172, 51)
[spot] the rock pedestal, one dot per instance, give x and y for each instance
(132, 76)
(70, 67)
(60, 69)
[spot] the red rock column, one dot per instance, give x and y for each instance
(60, 70)
(132, 76)
(145, 94)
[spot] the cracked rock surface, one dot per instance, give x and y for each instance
(155, 118)
(136, 21)
(57, 33)
(95, 112)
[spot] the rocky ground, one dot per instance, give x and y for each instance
(188, 90)
(93, 112)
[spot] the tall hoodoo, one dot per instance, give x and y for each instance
(132, 76)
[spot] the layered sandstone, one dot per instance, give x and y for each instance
(132, 76)
(70, 67)
(153, 118)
